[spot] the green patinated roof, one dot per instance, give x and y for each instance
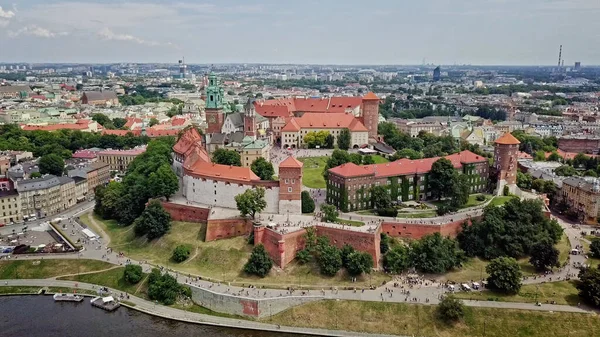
(256, 145)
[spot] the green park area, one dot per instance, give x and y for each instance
(40, 269)
(473, 201)
(218, 260)
(13, 290)
(313, 170)
(113, 279)
(563, 292)
(419, 320)
(474, 268)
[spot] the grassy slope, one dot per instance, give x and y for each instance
(39, 269)
(111, 278)
(561, 292)
(404, 319)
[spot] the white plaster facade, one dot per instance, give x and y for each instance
(357, 138)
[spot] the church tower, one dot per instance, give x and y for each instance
(214, 105)
(250, 119)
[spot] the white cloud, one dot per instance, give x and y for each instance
(5, 16)
(109, 35)
(36, 31)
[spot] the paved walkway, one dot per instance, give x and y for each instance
(185, 316)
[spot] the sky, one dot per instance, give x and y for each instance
(478, 32)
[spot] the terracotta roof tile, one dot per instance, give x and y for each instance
(187, 140)
(291, 162)
(370, 96)
(324, 121)
(507, 139)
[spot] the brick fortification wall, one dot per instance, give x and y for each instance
(227, 228)
(185, 212)
(417, 231)
(248, 307)
(283, 247)
(364, 242)
(584, 145)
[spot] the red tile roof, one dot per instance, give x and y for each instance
(370, 96)
(285, 107)
(525, 155)
(568, 155)
(190, 138)
(211, 170)
(131, 121)
(84, 154)
(81, 124)
(121, 133)
(153, 133)
(178, 121)
(404, 166)
(507, 139)
(132, 152)
(324, 121)
(291, 162)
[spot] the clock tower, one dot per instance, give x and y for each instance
(214, 105)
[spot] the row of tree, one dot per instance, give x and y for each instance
(427, 144)
(339, 157)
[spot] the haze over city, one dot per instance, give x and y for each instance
(488, 32)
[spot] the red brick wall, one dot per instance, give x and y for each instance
(585, 145)
(185, 212)
(417, 231)
(270, 239)
(364, 242)
(227, 228)
(293, 242)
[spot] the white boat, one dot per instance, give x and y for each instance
(67, 297)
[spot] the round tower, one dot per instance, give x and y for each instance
(506, 152)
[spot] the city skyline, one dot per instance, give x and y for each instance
(491, 32)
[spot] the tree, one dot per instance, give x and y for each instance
(163, 182)
(450, 309)
(524, 180)
(595, 248)
(227, 157)
(181, 253)
(435, 254)
(397, 260)
(460, 191)
(154, 221)
(589, 285)
(345, 253)
(539, 156)
(590, 173)
(34, 175)
(368, 160)
(380, 198)
(442, 178)
(262, 168)
(329, 141)
(52, 164)
(153, 122)
(409, 153)
(544, 256)
(260, 263)
(554, 156)
(303, 256)
(103, 120)
(316, 139)
(119, 122)
(384, 243)
(338, 157)
(330, 213)
(252, 201)
(133, 273)
(344, 139)
(358, 263)
(329, 260)
(355, 158)
(308, 204)
(504, 275)
(566, 171)
(164, 288)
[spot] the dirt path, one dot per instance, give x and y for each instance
(191, 257)
(99, 228)
(141, 284)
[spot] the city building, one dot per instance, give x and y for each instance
(437, 74)
(15, 91)
(95, 174)
(348, 185)
(119, 160)
(582, 194)
(293, 133)
(84, 125)
(254, 150)
(99, 98)
(579, 144)
(39, 197)
(68, 192)
(11, 207)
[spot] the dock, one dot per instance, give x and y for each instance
(67, 298)
(105, 303)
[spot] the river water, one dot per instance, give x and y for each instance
(34, 316)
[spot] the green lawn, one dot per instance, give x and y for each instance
(501, 200)
(428, 214)
(379, 159)
(111, 278)
(312, 172)
(40, 269)
(350, 222)
(561, 292)
(474, 269)
(5, 290)
(419, 320)
(472, 201)
(221, 259)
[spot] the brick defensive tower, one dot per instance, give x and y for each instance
(214, 105)
(290, 186)
(505, 161)
(370, 113)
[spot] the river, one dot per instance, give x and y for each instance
(34, 316)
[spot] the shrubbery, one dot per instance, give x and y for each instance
(181, 253)
(133, 273)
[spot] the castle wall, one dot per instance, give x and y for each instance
(361, 241)
(227, 228)
(186, 213)
(417, 231)
(222, 194)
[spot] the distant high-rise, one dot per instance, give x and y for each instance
(577, 66)
(182, 68)
(437, 74)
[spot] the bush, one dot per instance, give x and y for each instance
(506, 191)
(308, 204)
(391, 212)
(480, 197)
(595, 248)
(133, 273)
(181, 253)
(260, 263)
(445, 209)
(450, 309)
(164, 288)
(303, 256)
(330, 260)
